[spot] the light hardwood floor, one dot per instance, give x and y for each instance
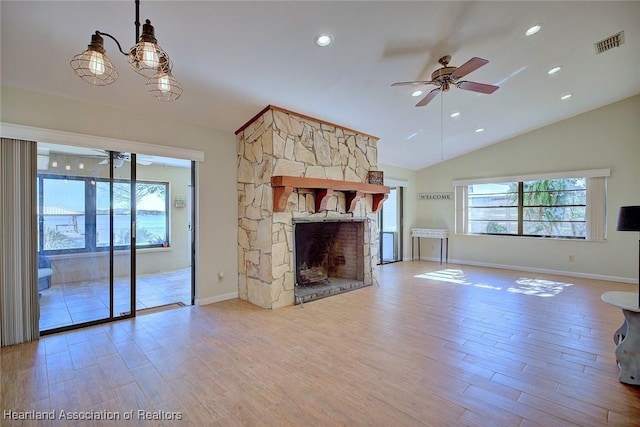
(433, 345)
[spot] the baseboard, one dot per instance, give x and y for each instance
(630, 280)
(217, 298)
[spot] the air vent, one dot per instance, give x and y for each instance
(615, 40)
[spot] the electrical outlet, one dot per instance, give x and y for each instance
(572, 258)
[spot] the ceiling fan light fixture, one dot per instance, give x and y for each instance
(447, 76)
(93, 66)
(533, 30)
(554, 70)
(323, 40)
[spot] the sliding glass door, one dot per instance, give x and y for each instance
(115, 235)
(164, 231)
(117, 207)
(390, 227)
(84, 223)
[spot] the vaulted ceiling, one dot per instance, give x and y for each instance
(234, 58)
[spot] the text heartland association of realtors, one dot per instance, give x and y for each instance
(133, 414)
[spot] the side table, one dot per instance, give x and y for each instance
(431, 233)
(627, 337)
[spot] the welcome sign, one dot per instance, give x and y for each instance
(435, 196)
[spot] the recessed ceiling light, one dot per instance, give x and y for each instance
(553, 70)
(417, 93)
(531, 31)
(455, 114)
(479, 130)
(324, 40)
(565, 97)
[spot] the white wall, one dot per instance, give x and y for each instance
(608, 137)
(217, 204)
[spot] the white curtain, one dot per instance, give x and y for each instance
(461, 194)
(596, 214)
(19, 305)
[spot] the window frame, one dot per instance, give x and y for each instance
(90, 201)
(595, 203)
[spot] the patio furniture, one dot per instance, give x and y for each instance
(44, 273)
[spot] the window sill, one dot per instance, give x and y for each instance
(82, 255)
(555, 239)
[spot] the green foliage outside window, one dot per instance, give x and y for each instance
(544, 208)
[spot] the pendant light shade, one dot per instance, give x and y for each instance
(164, 86)
(146, 56)
(93, 65)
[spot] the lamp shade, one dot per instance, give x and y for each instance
(146, 56)
(629, 218)
(164, 86)
(93, 65)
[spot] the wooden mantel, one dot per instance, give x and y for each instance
(283, 186)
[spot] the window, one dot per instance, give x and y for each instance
(74, 212)
(554, 208)
(559, 205)
(493, 208)
(61, 214)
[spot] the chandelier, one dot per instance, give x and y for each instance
(147, 58)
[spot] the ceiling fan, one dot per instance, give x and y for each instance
(119, 158)
(446, 76)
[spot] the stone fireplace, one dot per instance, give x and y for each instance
(306, 210)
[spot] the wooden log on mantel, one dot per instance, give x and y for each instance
(284, 185)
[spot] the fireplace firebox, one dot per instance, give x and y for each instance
(329, 257)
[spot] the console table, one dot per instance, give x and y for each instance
(431, 233)
(627, 337)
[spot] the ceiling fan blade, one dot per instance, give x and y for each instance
(144, 160)
(477, 87)
(469, 66)
(424, 101)
(416, 83)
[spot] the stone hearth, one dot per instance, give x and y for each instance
(282, 146)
